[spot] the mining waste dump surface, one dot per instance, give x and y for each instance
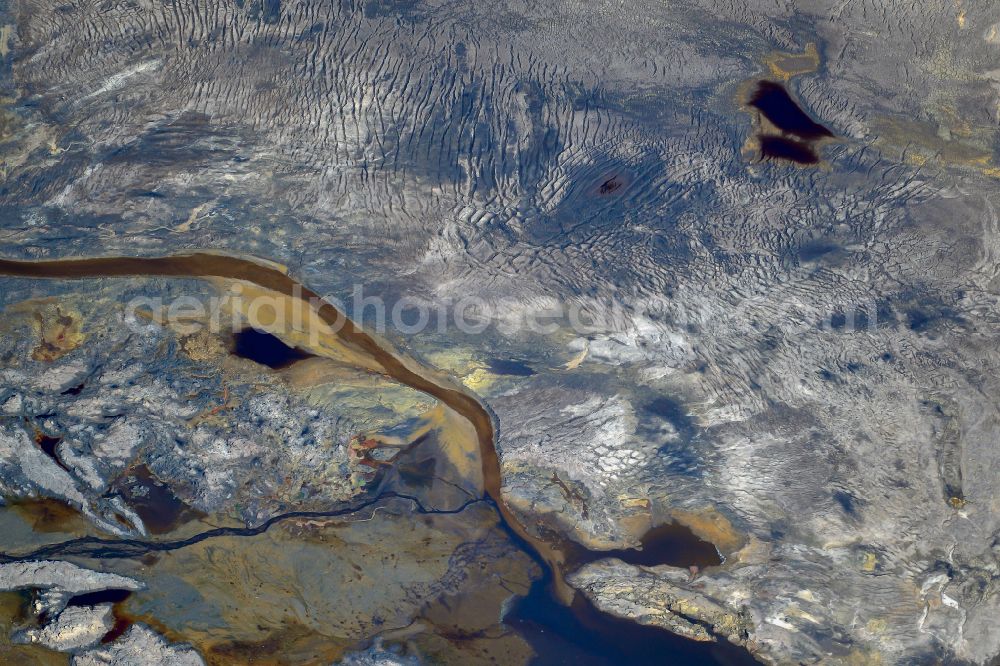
(417, 332)
(161, 511)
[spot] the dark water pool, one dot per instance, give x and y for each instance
(772, 100)
(672, 544)
(48, 445)
(786, 149)
(160, 509)
(582, 635)
(266, 349)
(501, 366)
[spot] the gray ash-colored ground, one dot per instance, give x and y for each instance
(176, 409)
(802, 360)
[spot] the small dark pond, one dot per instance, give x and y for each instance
(500, 366)
(266, 349)
(160, 509)
(772, 100)
(786, 149)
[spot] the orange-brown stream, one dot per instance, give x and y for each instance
(391, 363)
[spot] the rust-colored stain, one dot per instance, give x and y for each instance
(58, 332)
